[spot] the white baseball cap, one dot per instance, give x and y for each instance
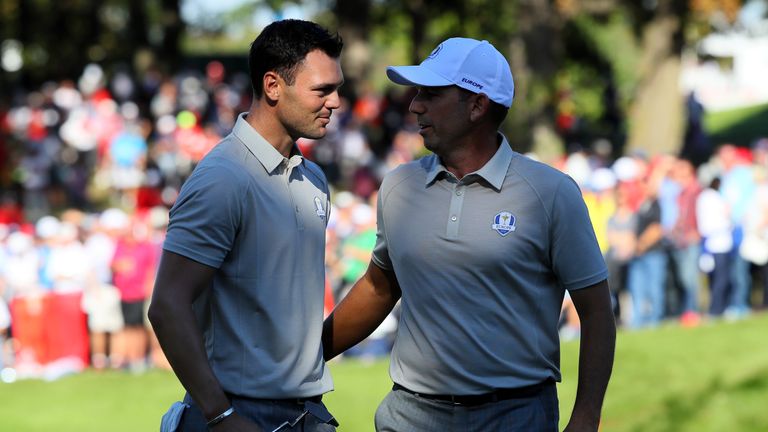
(626, 169)
(468, 63)
(114, 218)
(47, 227)
(602, 179)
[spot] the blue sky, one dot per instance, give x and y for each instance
(191, 9)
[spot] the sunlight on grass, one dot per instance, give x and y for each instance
(670, 379)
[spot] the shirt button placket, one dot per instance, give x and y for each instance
(457, 200)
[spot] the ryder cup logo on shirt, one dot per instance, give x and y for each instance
(319, 208)
(503, 223)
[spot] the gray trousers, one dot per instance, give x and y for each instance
(401, 411)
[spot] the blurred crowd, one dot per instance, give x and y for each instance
(90, 167)
(680, 241)
(88, 170)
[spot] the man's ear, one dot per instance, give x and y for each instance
(480, 106)
(272, 85)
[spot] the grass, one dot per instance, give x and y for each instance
(739, 126)
(710, 378)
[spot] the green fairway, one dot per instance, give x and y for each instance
(710, 378)
(741, 126)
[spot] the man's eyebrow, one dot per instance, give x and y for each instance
(328, 86)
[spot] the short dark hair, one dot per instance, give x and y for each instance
(496, 111)
(283, 45)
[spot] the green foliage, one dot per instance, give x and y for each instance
(59, 38)
(584, 88)
(496, 21)
(614, 41)
(539, 93)
(480, 19)
(440, 28)
(217, 43)
(707, 379)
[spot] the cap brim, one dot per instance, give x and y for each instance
(416, 76)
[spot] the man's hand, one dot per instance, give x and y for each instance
(236, 423)
(576, 425)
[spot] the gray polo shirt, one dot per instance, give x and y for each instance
(260, 220)
(483, 264)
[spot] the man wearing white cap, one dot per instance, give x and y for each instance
(481, 243)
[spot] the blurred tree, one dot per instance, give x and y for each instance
(650, 92)
(354, 21)
(656, 105)
(612, 66)
(171, 28)
(584, 69)
(59, 37)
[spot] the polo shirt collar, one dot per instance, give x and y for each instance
(267, 155)
(494, 171)
(434, 167)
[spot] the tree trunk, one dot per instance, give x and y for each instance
(354, 26)
(24, 35)
(541, 28)
(137, 24)
(417, 10)
(172, 29)
(656, 115)
(536, 55)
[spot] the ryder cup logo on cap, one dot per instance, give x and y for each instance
(468, 63)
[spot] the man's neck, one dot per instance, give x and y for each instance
(472, 155)
(267, 125)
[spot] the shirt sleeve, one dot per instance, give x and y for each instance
(380, 255)
(576, 257)
(205, 218)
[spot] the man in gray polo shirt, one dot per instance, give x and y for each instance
(481, 243)
(238, 302)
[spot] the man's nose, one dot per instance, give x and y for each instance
(333, 101)
(416, 106)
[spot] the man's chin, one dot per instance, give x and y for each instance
(319, 134)
(429, 145)
(315, 134)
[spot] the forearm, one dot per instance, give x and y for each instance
(179, 336)
(368, 303)
(180, 281)
(596, 352)
(595, 364)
